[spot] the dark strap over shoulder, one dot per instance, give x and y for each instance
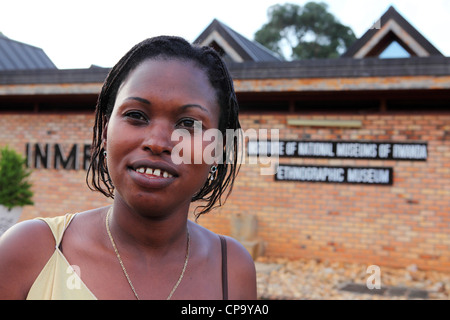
(223, 243)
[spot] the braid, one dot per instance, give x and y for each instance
(207, 59)
(226, 173)
(105, 105)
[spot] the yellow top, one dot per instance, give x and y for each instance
(59, 280)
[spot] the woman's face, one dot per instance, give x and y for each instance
(157, 98)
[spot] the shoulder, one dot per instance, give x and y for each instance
(240, 264)
(241, 271)
(24, 250)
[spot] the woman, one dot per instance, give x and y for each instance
(143, 246)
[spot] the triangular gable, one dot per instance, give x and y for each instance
(392, 27)
(233, 46)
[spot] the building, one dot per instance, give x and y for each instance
(364, 168)
(20, 56)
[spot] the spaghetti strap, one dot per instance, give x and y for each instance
(58, 280)
(223, 243)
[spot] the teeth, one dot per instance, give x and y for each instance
(154, 172)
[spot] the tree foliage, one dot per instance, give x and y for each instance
(308, 32)
(15, 190)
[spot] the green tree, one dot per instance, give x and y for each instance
(15, 190)
(308, 32)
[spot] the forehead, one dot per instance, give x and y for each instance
(168, 79)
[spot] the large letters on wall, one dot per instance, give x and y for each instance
(49, 156)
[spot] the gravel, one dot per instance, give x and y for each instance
(316, 280)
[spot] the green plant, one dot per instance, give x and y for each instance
(15, 190)
(309, 31)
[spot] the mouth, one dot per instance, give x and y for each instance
(152, 172)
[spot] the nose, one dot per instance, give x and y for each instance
(157, 138)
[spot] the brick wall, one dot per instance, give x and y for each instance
(407, 223)
(56, 192)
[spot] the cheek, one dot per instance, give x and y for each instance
(197, 178)
(204, 148)
(121, 135)
(195, 156)
(120, 143)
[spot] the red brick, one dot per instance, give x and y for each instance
(342, 222)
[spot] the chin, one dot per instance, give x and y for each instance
(157, 205)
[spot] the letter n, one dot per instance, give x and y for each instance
(42, 157)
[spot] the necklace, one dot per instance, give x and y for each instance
(188, 246)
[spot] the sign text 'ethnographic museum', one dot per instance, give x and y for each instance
(329, 174)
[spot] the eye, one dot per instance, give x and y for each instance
(190, 123)
(136, 115)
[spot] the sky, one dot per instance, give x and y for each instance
(81, 33)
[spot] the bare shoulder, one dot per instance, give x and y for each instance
(241, 272)
(240, 265)
(24, 250)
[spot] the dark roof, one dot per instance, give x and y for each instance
(387, 39)
(343, 68)
(246, 49)
(16, 55)
(54, 76)
(320, 68)
(257, 62)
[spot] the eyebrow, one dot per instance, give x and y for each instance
(183, 108)
(194, 106)
(142, 100)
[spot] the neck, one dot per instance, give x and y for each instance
(146, 232)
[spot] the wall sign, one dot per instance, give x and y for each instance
(51, 156)
(330, 174)
(341, 150)
(397, 151)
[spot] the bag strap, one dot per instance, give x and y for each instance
(223, 243)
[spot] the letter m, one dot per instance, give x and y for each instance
(71, 162)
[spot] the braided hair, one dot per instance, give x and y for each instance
(208, 60)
